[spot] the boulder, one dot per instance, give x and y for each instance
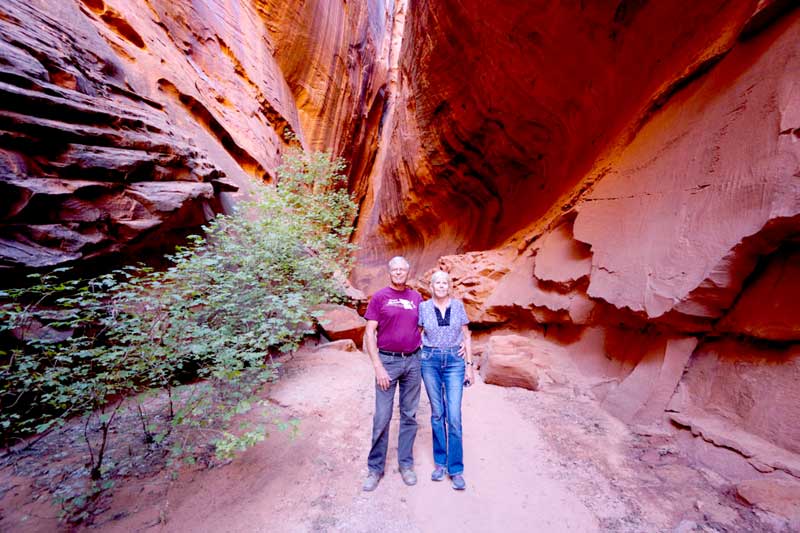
(778, 496)
(509, 362)
(339, 322)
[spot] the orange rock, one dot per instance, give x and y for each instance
(121, 93)
(752, 391)
(769, 308)
(643, 395)
(339, 322)
(508, 361)
(477, 149)
(560, 258)
(474, 276)
(778, 496)
(342, 345)
(705, 188)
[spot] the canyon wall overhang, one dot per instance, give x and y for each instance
(507, 111)
(659, 277)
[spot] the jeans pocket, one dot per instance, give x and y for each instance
(388, 360)
(425, 355)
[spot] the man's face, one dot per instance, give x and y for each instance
(398, 275)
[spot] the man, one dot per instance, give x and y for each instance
(392, 339)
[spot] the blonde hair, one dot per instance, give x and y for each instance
(441, 275)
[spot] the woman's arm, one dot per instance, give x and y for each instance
(467, 344)
(468, 353)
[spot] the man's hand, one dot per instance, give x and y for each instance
(382, 377)
(371, 344)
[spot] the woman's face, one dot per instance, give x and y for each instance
(441, 288)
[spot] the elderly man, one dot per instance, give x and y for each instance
(393, 339)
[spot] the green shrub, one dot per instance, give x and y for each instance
(229, 300)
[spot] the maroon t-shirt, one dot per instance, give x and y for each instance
(397, 314)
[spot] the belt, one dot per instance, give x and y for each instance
(397, 354)
(449, 349)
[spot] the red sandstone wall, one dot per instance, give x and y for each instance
(663, 274)
(624, 175)
(509, 104)
(124, 122)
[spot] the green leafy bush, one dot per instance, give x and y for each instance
(228, 301)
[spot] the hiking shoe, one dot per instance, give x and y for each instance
(409, 477)
(438, 473)
(371, 483)
(458, 482)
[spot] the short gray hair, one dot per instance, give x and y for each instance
(397, 260)
(441, 274)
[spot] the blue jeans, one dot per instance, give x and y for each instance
(405, 372)
(443, 374)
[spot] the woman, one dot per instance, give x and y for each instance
(443, 321)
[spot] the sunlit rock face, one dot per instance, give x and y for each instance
(333, 57)
(124, 124)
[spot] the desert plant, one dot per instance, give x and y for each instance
(231, 297)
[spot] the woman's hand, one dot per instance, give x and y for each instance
(465, 349)
(471, 374)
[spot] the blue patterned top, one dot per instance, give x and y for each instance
(442, 336)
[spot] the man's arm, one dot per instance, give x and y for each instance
(371, 343)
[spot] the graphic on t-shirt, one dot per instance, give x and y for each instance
(400, 302)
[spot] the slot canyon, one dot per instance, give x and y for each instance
(613, 185)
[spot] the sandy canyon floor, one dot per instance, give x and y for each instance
(535, 461)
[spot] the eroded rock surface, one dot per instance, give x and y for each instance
(510, 361)
(125, 124)
(339, 322)
(638, 222)
(683, 231)
(508, 108)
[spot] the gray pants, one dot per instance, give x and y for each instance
(406, 372)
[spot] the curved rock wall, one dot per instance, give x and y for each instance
(509, 104)
(663, 276)
(124, 123)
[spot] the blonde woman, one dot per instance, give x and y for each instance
(444, 326)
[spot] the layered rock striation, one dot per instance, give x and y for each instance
(126, 124)
(508, 105)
